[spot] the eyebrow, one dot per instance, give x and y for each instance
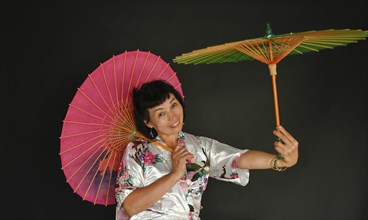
(170, 103)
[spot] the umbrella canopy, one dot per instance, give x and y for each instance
(271, 49)
(99, 122)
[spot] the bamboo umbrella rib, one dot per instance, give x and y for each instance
(243, 55)
(141, 72)
(77, 157)
(126, 119)
(251, 51)
(199, 58)
(107, 87)
(208, 52)
(229, 53)
(108, 189)
(177, 86)
(152, 68)
(163, 70)
(83, 123)
(290, 45)
(99, 92)
(80, 144)
(102, 119)
(84, 176)
(172, 75)
(116, 140)
(209, 56)
(82, 133)
(123, 77)
(246, 50)
(132, 74)
(94, 177)
(125, 110)
(229, 56)
(299, 52)
(263, 53)
(115, 82)
(335, 43)
(309, 48)
(90, 100)
(317, 45)
(99, 186)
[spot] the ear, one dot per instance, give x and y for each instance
(148, 124)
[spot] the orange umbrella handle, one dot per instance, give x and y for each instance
(273, 74)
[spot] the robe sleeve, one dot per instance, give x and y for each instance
(222, 159)
(130, 173)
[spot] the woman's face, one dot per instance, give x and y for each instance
(167, 118)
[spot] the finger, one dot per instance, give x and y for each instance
(286, 133)
(281, 136)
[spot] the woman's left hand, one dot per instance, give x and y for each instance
(288, 148)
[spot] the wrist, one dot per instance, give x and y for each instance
(278, 164)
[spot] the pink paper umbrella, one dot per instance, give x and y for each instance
(99, 122)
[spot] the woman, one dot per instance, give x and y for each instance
(155, 183)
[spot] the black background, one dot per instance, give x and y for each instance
(48, 49)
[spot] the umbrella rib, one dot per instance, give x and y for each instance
(163, 70)
(152, 68)
(126, 112)
(89, 99)
(86, 112)
(140, 74)
(291, 44)
(102, 119)
(83, 123)
(230, 55)
(246, 48)
(227, 52)
(299, 52)
(108, 189)
(99, 92)
(80, 144)
(107, 87)
(82, 133)
(172, 75)
(261, 55)
(123, 77)
(209, 56)
(77, 157)
(309, 48)
(333, 42)
(93, 179)
(98, 190)
(116, 86)
(132, 73)
(80, 182)
(317, 45)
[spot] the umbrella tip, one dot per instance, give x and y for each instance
(269, 33)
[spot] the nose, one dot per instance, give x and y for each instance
(171, 116)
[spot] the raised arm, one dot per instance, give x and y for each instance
(142, 198)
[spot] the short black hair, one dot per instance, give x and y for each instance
(150, 95)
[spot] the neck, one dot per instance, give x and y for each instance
(171, 141)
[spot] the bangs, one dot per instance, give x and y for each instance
(154, 98)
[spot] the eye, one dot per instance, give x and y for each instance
(174, 104)
(161, 114)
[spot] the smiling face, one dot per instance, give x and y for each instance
(166, 118)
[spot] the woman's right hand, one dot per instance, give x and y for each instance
(179, 157)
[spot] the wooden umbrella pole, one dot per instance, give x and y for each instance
(273, 73)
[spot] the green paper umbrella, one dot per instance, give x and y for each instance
(271, 49)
